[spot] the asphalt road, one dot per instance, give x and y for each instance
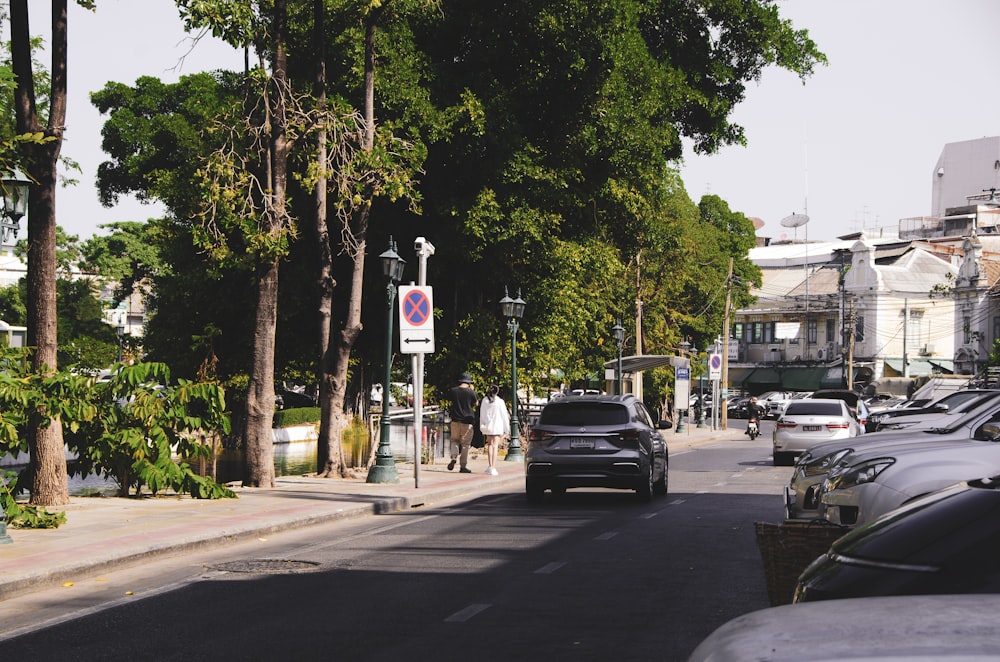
(590, 576)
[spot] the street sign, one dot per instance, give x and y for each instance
(715, 367)
(416, 320)
(682, 388)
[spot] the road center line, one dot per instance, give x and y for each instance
(608, 535)
(463, 615)
(549, 568)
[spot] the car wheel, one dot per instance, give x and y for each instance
(661, 485)
(645, 488)
(533, 491)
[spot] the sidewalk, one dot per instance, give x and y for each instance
(101, 533)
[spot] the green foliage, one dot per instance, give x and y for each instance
(23, 515)
(138, 421)
(297, 416)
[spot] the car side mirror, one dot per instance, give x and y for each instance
(664, 425)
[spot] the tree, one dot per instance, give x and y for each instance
(47, 460)
(246, 193)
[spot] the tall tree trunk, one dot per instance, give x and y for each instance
(258, 443)
(338, 357)
(47, 461)
(329, 455)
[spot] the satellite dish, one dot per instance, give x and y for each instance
(794, 221)
(757, 222)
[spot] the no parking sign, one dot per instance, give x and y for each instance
(416, 320)
(714, 367)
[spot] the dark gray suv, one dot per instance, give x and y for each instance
(596, 441)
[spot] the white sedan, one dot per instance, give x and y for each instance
(808, 422)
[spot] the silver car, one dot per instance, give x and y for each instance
(808, 422)
(814, 466)
(874, 482)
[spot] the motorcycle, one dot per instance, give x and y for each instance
(753, 429)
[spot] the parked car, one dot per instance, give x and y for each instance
(853, 399)
(937, 412)
(875, 482)
(945, 542)
(942, 628)
(737, 408)
(596, 441)
(808, 422)
(814, 466)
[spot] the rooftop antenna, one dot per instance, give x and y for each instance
(795, 221)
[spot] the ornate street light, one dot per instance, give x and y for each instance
(14, 188)
(384, 469)
(513, 310)
(682, 413)
(619, 332)
(121, 338)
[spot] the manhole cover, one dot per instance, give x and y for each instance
(266, 566)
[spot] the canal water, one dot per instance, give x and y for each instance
(293, 458)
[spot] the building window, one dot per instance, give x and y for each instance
(859, 328)
(812, 332)
(831, 329)
(966, 330)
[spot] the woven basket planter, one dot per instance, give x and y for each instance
(788, 548)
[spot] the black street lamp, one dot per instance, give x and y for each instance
(682, 413)
(384, 469)
(513, 310)
(15, 204)
(121, 338)
(619, 332)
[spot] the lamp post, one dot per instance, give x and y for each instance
(701, 391)
(15, 204)
(682, 413)
(121, 338)
(384, 469)
(513, 310)
(619, 332)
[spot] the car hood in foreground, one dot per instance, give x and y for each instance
(943, 628)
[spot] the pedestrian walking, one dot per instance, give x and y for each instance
(463, 417)
(494, 422)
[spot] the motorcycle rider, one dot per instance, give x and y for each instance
(755, 411)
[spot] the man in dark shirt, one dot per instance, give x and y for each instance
(463, 415)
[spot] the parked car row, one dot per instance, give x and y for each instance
(918, 504)
(917, 573)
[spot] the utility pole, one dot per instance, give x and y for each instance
(723, 400)
(850, 350)
(637, 375)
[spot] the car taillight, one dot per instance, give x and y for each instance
(539, 435)
(629, 437)
(838, 426)
(787, 425)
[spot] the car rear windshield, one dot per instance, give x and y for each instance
(589, 413)
(806, 408)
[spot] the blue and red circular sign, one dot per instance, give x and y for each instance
(416, 308)
(715, 361)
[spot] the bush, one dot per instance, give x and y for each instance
(288, 417)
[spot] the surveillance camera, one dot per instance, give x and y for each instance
(422, 246)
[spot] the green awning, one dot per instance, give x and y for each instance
(802, 379)
(768, 377)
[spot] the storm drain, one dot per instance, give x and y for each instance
(265, 566)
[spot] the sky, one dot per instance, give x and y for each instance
(853, 148)
(856, 146)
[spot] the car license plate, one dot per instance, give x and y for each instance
(812, 428)
(581, 443)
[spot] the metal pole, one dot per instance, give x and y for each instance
(514, 453)
(424, 249)
(384, 469)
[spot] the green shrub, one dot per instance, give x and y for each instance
(284, 418)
